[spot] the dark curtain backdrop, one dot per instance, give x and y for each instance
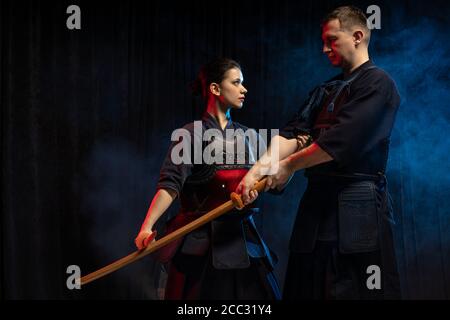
(87, 115)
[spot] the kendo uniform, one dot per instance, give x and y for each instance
(344, 220)
(224, 259)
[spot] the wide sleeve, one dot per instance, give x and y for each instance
(365, 120)
(178, 163)
(298, 124)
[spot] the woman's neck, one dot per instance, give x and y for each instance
(222, 115)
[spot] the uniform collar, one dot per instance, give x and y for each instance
(212, 121)
(365, 65)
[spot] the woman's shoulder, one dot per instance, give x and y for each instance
(238, 125)
(194, 129)
(249, 132)
(192, 126)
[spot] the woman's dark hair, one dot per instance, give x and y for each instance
(213, 71)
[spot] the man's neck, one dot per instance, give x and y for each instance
(355, 64)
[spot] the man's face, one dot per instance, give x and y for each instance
(338, 44)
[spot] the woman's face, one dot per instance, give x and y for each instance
(232, 92)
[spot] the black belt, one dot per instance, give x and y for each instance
(380, 176)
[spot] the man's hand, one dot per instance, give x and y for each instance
(281, 177)
(303, 140)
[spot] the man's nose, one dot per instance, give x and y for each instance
(326, 48)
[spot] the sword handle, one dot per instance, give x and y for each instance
(237, 199)
(260, 185)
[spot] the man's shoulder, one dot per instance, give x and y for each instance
(376, 74)
(380, 80)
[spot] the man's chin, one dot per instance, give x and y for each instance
(335, 63)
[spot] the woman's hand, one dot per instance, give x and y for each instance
(245, 189)
(143, 238)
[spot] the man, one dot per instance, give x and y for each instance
(342, 245)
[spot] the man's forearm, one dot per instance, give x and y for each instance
(308, 157)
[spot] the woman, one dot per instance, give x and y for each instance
(224, 259)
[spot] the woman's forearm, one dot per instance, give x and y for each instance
(279, 149)
(161, 201)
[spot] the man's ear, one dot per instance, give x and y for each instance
(214, 88)
(358, 37)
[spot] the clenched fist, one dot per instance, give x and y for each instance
(144, 238)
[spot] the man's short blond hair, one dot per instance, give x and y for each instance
(349, 17)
